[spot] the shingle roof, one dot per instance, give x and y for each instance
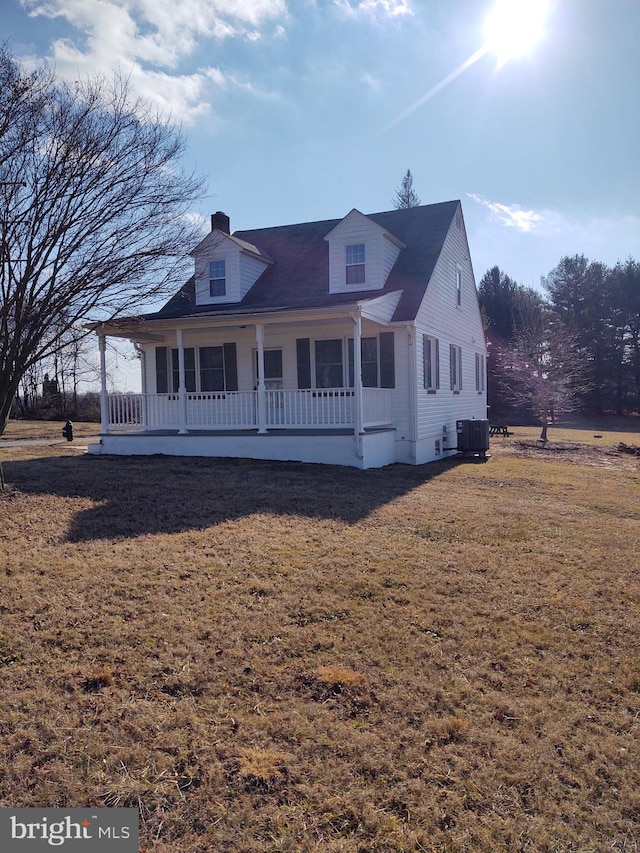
(299, 276)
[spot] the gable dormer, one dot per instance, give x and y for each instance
(225, 267)
(361, 254)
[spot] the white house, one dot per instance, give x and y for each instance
(355, 341)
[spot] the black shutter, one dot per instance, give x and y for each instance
(303, 352)
(427, 364)
(387, 360)
(162, 373)
(190, 369)
(230, 367)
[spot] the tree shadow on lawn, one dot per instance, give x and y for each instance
(137, 495)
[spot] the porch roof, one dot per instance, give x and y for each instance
(298, 278)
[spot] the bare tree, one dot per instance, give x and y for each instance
(406, 196)
(93, 211)
(542, 371)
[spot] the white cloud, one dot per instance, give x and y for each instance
(375, 8)
(527, 244)
(149, 39)
(513, 216)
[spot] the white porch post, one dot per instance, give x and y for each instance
(262, 395)
(357, 374)
(104, 399)
(182, 386)
(143, 384)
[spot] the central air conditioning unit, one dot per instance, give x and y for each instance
(473, 436)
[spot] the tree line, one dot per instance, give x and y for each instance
(575, 345)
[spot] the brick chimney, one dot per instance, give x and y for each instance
(220, 222)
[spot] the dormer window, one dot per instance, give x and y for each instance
(361, 254)
(217, 278)
(355, 270)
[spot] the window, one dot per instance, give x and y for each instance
(355, 267)
(458, 286)
(189, 369)
(480, 372)
(218, 368)
(212, 369)
(217, 278)
(431, 362)
(215, 369)
(455, 366)
(329, 373)
(273, 379)
(377, 361)
(368, 362)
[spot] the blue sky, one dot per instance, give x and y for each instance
(297, 110)
(291, 110)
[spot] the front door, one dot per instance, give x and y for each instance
(273, 380)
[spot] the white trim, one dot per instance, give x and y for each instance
(357, 375)
(104, 400)
(182, 385)
(262, 398)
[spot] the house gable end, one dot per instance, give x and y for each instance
(449, 308)
(226, 268)
(361, 254)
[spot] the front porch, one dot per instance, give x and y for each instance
(306, 386)
(373, 448)
(319, 425)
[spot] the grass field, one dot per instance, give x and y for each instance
(270, 657)
(27, 430)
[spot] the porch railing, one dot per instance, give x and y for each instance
(284, 409)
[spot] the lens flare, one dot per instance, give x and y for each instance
(514, 27)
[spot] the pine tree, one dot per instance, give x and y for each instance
(406, 196)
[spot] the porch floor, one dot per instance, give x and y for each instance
(246, 432)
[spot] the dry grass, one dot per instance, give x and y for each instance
(280, 657)
(27, 430)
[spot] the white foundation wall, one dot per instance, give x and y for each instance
(372, 450)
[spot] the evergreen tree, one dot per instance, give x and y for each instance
(406, 196)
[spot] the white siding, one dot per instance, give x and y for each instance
(231, 258)
(401, 399)
(441, 317)
(242, 270)
(357, 228)
(381, 309)
(250, 271)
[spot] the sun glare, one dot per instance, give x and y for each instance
(514, 27)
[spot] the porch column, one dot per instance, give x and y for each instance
(262, 393)
(143, 384)
(357, 374)
(182, 386)
(104, 399)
